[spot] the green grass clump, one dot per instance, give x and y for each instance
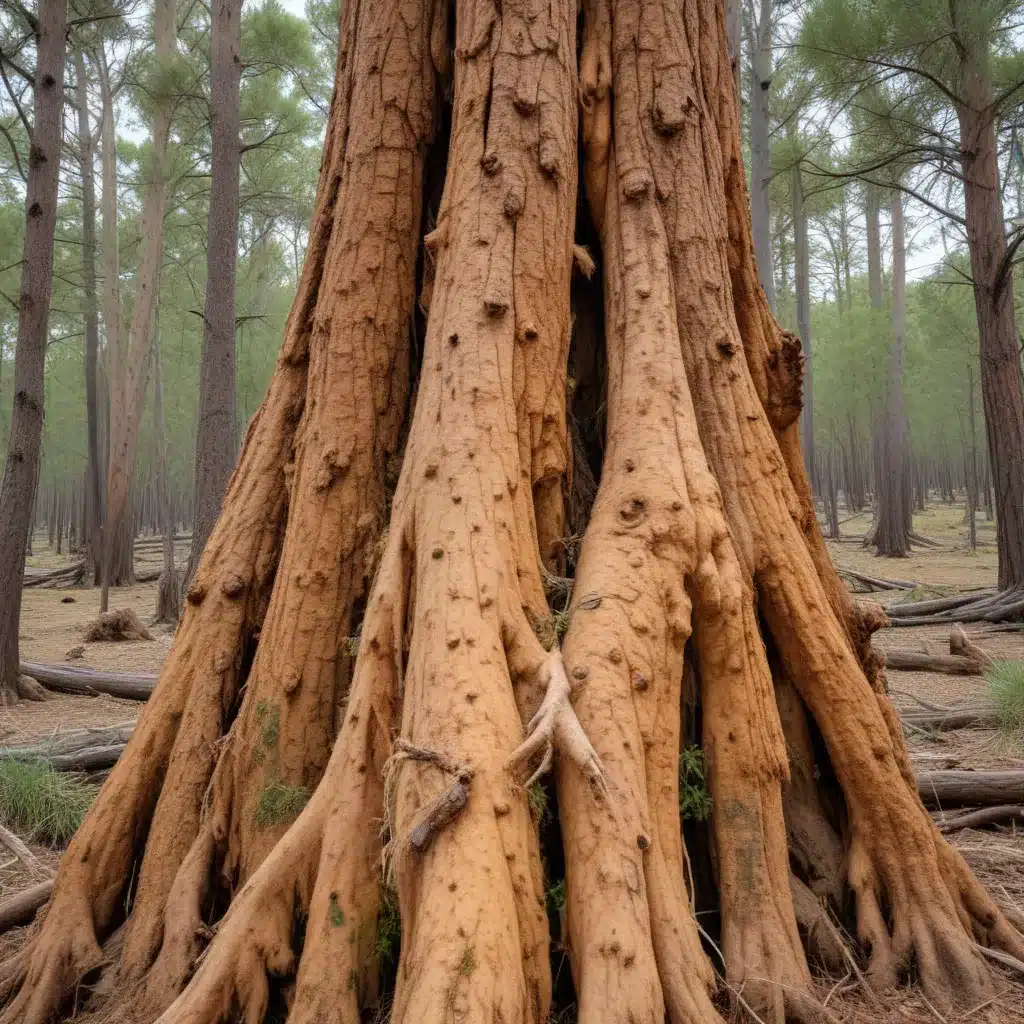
(389, 926)
(540, 810)
(268, 718)
(38, 802)
(280, 803)
(694, 798)
(1006, 689)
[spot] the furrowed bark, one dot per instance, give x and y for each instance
(910, 867)
(460, 565)
(358, 344)
(657, 522)
(21, 467)
(128, 366)
(175, 740)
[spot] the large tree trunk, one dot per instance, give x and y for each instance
(93, 494)
(892, 527)
(761, 68)
(215, 437)
(260, 791)
(1002, 389)
(24, 444)
(128, 368)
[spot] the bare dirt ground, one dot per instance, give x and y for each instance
(50, 628)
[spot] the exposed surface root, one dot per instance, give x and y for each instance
(121, 624)
(556, 727)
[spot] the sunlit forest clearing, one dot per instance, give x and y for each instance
(511, 512)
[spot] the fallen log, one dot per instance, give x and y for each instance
(921, 661)
(908, 609)
(71, 742)
(959, 788)
(1000, 815)
(21, 909)
(93, 759)
(67, 574)
(945, 721)
(964, 659)
(131, 686)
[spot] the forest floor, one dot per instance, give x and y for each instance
(51, 626)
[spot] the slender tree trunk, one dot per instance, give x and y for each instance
(215, 438)
(874, 246)
(113, 332)
(971, 464)
(1002, 389)
(734, 31)
(129, 378)
(761, 70)
(168, 597)
(94, 504)
(21, 469)
(803, 314)
(892, 532)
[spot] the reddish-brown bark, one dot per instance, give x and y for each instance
(701, 550)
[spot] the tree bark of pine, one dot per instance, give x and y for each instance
(802, 285)
(93, 534)
(24, 446)
(215, 437)
(168, 594)
(113, 328)
(874, 246)
(702, 551)
(761, 67)
(128, 366)
(1002, 387)
(892, 533)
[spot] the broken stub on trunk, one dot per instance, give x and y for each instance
(502, 512)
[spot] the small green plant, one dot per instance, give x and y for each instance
(468, 962)
(40, 803)
(280, 803)
(389, 925)
(694, 798)
(556, 897)
(270, 724)
(539, 809)
(351, 645)
(337, 915)
(1006, 688)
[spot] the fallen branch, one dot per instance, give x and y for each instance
(959, 788)
(21, 909)
(999, 815)
(21, 851)
(131, 686)
(878, 582)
